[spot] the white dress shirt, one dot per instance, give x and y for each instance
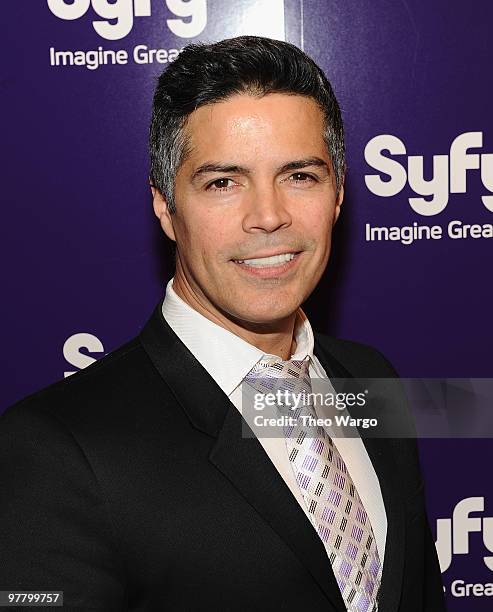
(228, 359)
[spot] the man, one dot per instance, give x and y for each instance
(130, 485)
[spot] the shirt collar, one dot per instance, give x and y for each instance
(227, 357)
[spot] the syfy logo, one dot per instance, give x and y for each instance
(124, 11)
(453, 534)
(72, 351)
(449, 172)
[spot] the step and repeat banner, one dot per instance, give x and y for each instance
(85, 260)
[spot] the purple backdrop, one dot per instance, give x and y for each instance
(86, 260)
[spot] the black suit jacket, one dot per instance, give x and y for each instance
(130, 487)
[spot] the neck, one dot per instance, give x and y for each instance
(274, 337)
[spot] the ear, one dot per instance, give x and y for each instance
(339, 199)
(161, 211)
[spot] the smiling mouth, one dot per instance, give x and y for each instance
(267, 262)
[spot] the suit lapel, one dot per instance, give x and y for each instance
(243, 461)
(382, 454)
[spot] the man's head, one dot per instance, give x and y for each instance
(208, 73)
(247, 162)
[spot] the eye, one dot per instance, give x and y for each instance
(221, 184)
(301, 177)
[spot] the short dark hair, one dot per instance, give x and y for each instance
(208, 73)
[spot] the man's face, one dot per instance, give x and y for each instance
(255, 206)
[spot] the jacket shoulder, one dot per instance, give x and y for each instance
(101, 392)
(359, 359)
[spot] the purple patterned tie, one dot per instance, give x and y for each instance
(331, 498)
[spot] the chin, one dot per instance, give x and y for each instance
(262, 307)
(267, 314)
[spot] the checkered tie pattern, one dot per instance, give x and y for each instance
(331, 498)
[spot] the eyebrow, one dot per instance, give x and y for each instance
(297, 164)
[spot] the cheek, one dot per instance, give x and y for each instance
(208, 239)
(316, 225)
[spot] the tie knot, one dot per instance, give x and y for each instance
(271, 374)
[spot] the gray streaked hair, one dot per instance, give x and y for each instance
(208, 73)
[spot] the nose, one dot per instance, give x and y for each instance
(266, 211)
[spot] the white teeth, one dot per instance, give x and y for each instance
(261, 262)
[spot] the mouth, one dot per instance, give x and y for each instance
(267, 262)
(271, 266)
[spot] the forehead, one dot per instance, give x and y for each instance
(258, 127)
